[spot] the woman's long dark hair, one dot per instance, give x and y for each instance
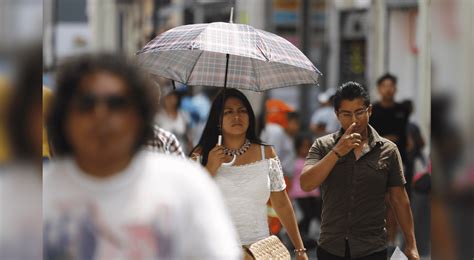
(212, 129)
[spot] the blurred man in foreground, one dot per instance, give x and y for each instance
(106, 198)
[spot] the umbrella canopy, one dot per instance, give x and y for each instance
(204, 54)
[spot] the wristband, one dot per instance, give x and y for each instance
(300, 251)
(337, 154)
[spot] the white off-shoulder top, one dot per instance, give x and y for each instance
(246, 190)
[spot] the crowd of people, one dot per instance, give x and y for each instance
(129, 177)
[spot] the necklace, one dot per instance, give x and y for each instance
(240, 151)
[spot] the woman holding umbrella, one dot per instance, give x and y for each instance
(255, 176)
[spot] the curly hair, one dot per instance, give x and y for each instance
(143, 93)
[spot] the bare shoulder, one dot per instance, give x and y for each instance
(270, 152)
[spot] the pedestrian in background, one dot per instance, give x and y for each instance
(390, 119)
(324, 120)
(309, 202)
(417, 165)
(165, 142)
(173, 119)
(415, 145)
(282, 125)
(279, 132)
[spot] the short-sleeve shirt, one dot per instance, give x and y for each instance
(283, 143)
(391, 121)
(246, 190)
(354, 192)
(126, 216)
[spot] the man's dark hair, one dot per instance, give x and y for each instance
(293, 116)
(142, 90)
(349, 91)
(386, 76)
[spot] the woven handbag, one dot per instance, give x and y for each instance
(270, 248)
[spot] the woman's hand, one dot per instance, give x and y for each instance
(215, 159)
(301, 256)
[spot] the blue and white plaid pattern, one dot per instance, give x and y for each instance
(196, 55)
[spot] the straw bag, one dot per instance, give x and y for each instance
(269, 248)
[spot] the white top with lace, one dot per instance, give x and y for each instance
(246, 190)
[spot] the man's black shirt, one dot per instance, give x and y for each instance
(391, 121)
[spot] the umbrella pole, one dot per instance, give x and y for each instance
(174, 85)
(225, 87)
(219, 140)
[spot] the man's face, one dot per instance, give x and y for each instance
(356, 111)
(102, 120)
(387, 89)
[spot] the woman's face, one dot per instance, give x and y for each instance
(102, 121)
(170, 101)
(236, 117)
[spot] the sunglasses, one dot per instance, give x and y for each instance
(88, 102)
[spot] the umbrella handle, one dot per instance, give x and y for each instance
(219, 142)
(231, 162)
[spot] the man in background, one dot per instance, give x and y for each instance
(390, 119)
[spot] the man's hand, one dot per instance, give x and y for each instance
(348, 141)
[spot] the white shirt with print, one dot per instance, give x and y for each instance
(159, 207)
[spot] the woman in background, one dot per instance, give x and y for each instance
(309, 202)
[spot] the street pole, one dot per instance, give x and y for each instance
(380, 61)
(305, 48)
(424, 69)
(467, 78)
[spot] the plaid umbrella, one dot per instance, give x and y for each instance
(227, 55)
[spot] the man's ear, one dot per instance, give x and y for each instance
(370, 110)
